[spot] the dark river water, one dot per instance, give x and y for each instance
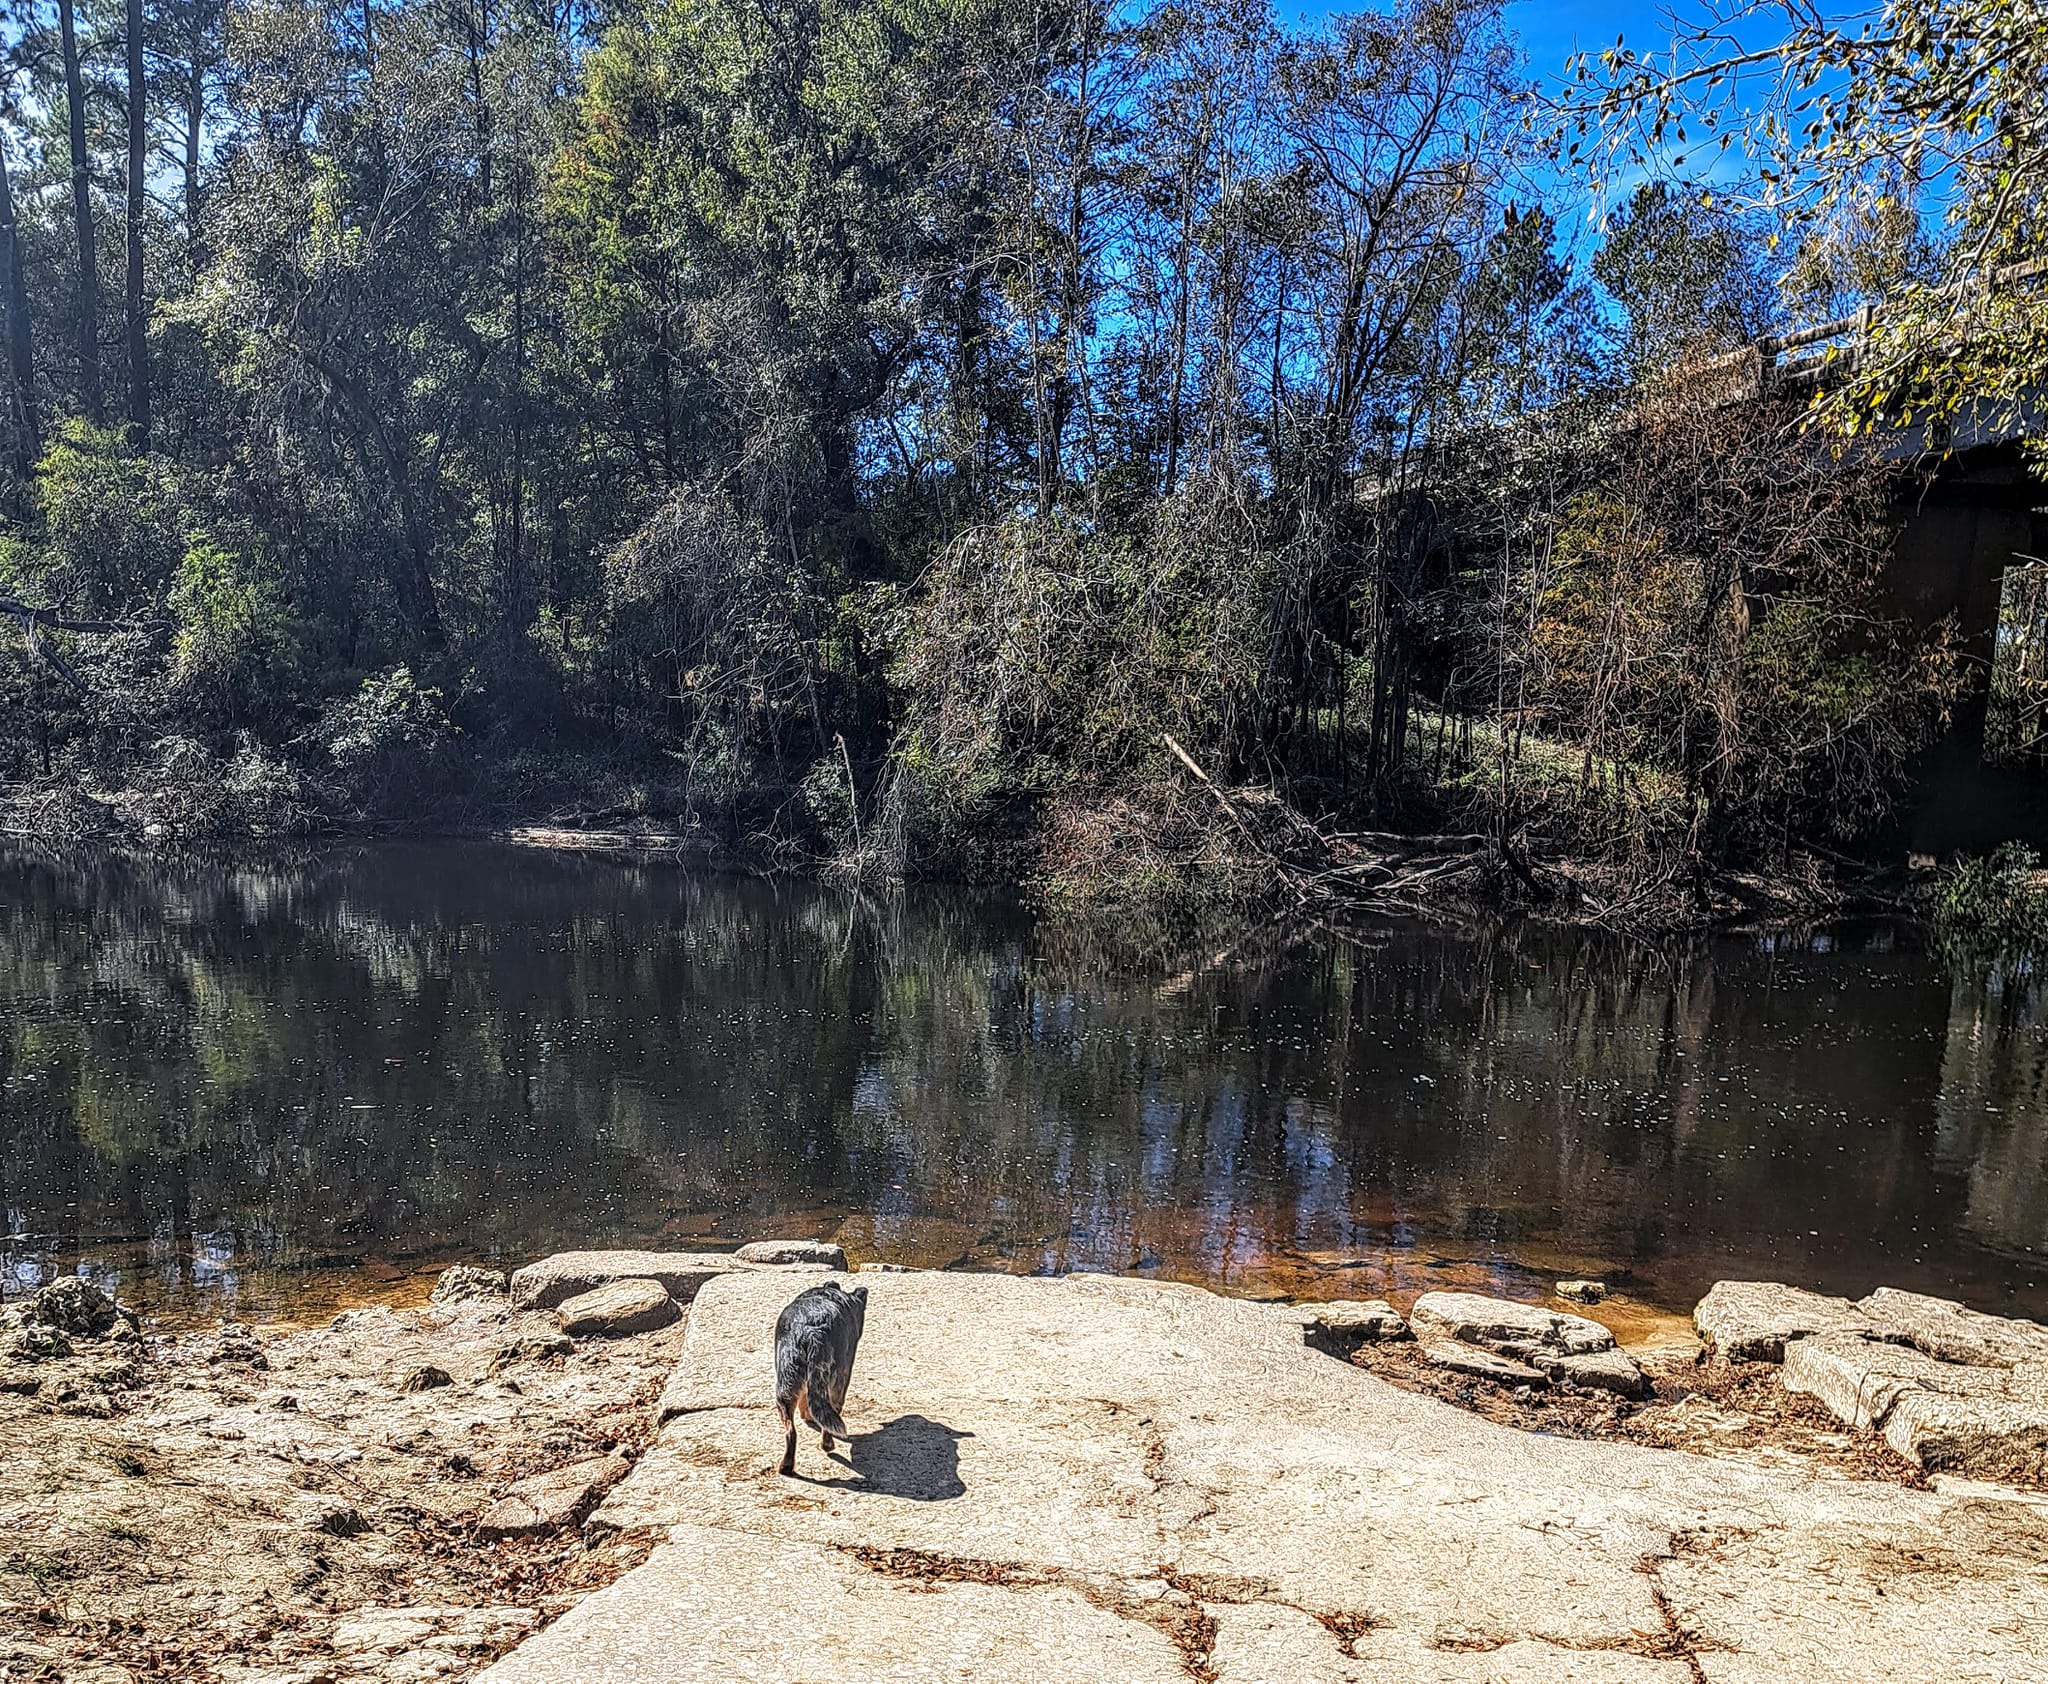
(270, 1091)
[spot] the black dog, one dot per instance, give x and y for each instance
(815, 1338)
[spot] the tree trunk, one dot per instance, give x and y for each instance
(81, 215)
(1180, 330)
(20, 357)
(138, 307)
(195, 117)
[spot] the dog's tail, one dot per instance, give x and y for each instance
(825, 1415)
(806, 1387)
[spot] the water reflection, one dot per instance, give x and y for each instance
(244, 1090)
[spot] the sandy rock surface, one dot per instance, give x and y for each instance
(252, 1505)
(1091, 1478)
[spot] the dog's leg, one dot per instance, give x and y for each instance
(788, 1438)
(828, 1443)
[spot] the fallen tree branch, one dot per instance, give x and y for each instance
(36, 621)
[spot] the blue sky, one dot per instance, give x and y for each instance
(1552, 30)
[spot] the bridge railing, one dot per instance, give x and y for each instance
(1831, 350)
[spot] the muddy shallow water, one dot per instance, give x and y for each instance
(275, 1091)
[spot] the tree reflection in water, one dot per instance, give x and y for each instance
(263, 1089)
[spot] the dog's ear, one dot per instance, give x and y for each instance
(860, 1296)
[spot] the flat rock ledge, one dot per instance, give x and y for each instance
(1501, 1325)
(1084, 1478)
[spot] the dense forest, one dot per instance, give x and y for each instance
(1094, 444)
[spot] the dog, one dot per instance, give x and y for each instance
(815, 1338)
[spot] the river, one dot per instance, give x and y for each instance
(269, 1091)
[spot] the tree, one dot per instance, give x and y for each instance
(20, 344)
(1689, 278)
(138, 160)
(1935, 102)
(88, 321)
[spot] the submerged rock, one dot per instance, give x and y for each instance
(1503, 1326)
(820, 1252)
(465, 1282)
(1754, 1321)
(614, 1310)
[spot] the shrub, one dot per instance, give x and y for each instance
(386, 739)
(1995, 904)
(235, 655)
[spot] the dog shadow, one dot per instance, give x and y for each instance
(912, 1457)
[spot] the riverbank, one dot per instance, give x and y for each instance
(1049, 1478)
(1177, 850)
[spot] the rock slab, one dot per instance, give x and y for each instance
(1107, 1479)
(1753, 1321)
(1481, 1364)
(1978, 1421)
(1503, 1326)
(819, 1253)
(1942, 1328)
(465, 1283)
(1595, 1371)
(553, 1501)
(1341, 1325)
(569, 1274)
(617, 1309)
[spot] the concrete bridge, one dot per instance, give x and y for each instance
(1980, 510)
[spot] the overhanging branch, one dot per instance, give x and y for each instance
(35, 622)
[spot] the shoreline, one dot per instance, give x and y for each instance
(1403, 874)
(373, 1465)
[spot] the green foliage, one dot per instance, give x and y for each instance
(386, 739)
(113, 524)
(1042, 652)
(1849, 125)
(888, 421)
(1688, 277)
(1708, 612)
(235, 653)
(1994, 903)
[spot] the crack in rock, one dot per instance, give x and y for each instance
(1674, 1640)
(1176, 1614)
